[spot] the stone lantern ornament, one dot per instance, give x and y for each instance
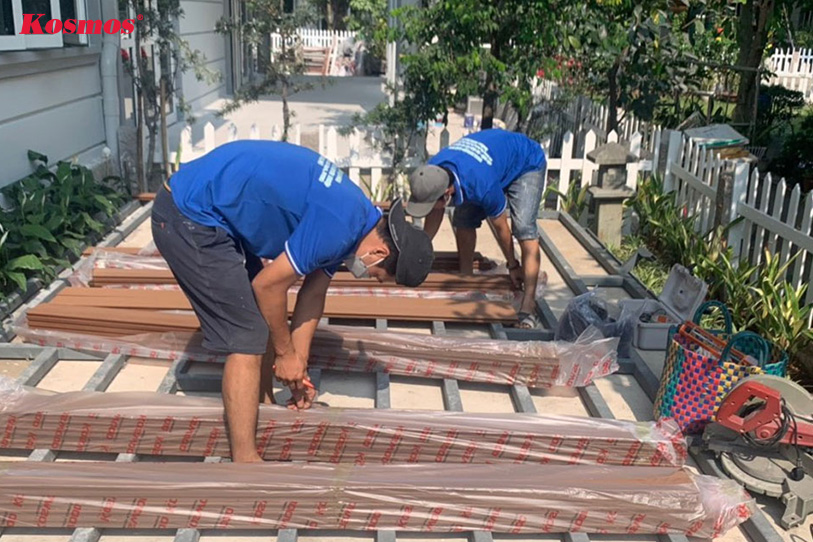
(609, 189)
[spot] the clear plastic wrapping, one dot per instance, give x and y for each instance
(147, 259)
(538, 364)
(590, 310)
(502, 498)
(171, 425)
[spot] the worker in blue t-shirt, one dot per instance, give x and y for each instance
(484, 175)
(220, 214)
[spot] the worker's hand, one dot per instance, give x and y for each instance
(517, 278)
(290, 368)
(302, 396)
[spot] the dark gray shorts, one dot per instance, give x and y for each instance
(215, 274)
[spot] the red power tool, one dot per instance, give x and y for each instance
(763, 437)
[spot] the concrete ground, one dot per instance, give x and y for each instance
(623, 395)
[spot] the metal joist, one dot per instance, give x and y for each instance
(603, 256)
(561, 264)
(449, 387)
(106, 373)
(38, 368)
(30, 351)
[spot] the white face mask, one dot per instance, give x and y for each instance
(358, 268)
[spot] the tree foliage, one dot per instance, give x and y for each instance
(634, 53)
(459, 48)
(368, 18)
(156, 23)
(277, 71)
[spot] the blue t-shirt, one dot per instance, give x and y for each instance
(485, 163)
(273, 196)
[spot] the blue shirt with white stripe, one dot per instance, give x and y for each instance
(485, 163)
(274, 197)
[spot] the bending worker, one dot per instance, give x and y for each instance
(484, 175)
(220, 214)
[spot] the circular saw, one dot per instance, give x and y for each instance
(763, 437)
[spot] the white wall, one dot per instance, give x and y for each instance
(51, 102)
(197, 26)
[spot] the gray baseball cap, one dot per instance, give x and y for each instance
(427, 184)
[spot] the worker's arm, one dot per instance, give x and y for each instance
(310, 305)
(502, 231)
(431, 224)
(271, 291)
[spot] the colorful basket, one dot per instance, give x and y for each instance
(675, 358)
(706, 368)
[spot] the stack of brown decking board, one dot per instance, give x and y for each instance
(445, 262)
(122, 312)
(343, 279)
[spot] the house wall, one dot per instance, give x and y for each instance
(197, 26)
(51, 102)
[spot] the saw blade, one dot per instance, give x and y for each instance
(731, 465)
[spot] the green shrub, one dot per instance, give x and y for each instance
(759, 297)
(574, 202)
(48, 215)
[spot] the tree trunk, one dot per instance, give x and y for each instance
(752, 36)
(137, 63)
(329, 15)
(490, 96)
(164, 135)
(612, 104)
(286, 112)
(140, 177)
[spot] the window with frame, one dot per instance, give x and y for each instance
(11, 23)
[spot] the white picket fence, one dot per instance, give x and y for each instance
(793, 69)
(353, 153)
(583, 116)
(313, 38)
(575, 160)
(773, 217)
(693, 172)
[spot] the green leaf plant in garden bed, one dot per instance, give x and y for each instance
(47, 217)
(760, 298)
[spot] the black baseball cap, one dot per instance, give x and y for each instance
(415, 252)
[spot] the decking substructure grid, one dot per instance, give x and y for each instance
(180, 377)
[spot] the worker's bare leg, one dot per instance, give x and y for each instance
(466, 242)
(240, 376)
(530, 267)
(267, 379)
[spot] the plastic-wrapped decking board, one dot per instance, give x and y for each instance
(160, 424)
(501, 498)
(536, 364)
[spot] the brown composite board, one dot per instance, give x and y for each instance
(342, 279)
(71, 299)
(445, 261)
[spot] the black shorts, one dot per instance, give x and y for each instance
(215, 274)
